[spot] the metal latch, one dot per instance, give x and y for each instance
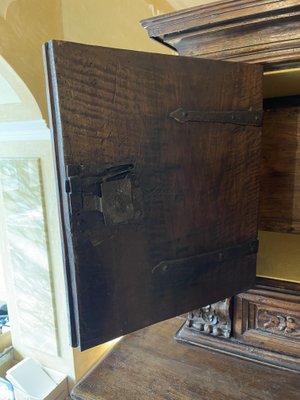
(108, 191)
(252, 118)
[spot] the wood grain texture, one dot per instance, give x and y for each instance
(197, 183)
(151, 365)
(265, 32)
(279, 208)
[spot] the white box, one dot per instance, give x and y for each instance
(25, 375)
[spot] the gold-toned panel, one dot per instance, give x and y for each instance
(281, 83)
(279, 256)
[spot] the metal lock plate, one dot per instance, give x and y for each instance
(117, 206)
(110, 191)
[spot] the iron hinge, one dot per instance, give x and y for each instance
(252, 118)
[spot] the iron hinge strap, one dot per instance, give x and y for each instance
(252, 118)
(183, 265)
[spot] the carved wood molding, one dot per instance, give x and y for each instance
(265, 328)
(237, 30)
(268, 319)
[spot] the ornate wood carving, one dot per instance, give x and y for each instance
(265, 328)
(278, 323)
(213, 319)
(239, 30)
(267, 317)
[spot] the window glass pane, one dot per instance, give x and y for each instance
(27, 252)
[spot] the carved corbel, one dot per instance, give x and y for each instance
(213, 319)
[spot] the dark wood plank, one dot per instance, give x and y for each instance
(151, 365)
(237, 30)
(194, 185)
(280, 178)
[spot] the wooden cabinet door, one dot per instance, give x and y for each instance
(157, 167)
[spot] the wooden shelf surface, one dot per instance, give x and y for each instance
(150, 364)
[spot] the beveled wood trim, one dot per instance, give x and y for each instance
(237, 30)
(217, 14)
(275, 284)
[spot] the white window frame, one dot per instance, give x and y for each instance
(31, 139)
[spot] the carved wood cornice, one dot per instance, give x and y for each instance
(265, 31)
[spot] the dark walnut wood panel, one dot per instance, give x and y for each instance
(150, 365)
(168, 227)
(279, 209)
(250, 31)
(265, 326)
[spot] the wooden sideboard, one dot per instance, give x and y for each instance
(262, 324)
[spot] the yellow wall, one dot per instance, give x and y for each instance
(24, 26)
(111, 23)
